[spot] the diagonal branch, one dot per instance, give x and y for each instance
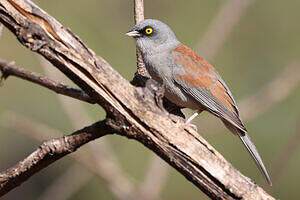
(49, 152)
(119, 184)
(132, 111)
(10, 69)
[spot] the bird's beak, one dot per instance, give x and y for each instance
(133, 34)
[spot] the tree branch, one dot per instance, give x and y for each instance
(132, 110)
(10, 69)
(105, 166)
(139, 16)
(49, 152)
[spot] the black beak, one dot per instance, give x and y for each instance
(133, 34)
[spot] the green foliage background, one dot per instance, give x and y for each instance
(265, 41)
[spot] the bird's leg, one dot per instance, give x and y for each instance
(192, 117)
(188, 121)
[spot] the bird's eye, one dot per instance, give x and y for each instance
(148, 31)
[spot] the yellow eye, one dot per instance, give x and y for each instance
(148, 31)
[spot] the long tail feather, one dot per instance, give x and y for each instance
(254, 154)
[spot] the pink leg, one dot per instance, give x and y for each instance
(193, 116)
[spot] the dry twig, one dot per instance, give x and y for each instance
(94, 158)
(10, 69)
(139, 16)
(49, 152)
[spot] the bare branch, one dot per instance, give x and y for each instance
(95, 158)
(221, 27)
(132, 111)
(10, 69)
(139, 16)
(49, 152)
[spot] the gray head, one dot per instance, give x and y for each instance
(153, 36)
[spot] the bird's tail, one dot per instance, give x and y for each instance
(254, 154)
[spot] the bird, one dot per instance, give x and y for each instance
(189, 81)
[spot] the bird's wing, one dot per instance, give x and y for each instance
(203, 83)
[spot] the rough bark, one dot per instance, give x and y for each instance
(132, 110)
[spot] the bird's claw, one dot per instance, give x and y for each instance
(192, 126)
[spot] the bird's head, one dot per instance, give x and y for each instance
(153, 36)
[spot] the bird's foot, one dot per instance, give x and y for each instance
(188, 121)
(181, 122)
(191, 126)
(176, 119)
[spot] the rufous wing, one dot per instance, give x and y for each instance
(203, 83)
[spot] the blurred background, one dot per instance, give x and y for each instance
(254, 44)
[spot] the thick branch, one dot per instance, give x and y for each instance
(49, 152)
(10, 69)
(133, 110)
